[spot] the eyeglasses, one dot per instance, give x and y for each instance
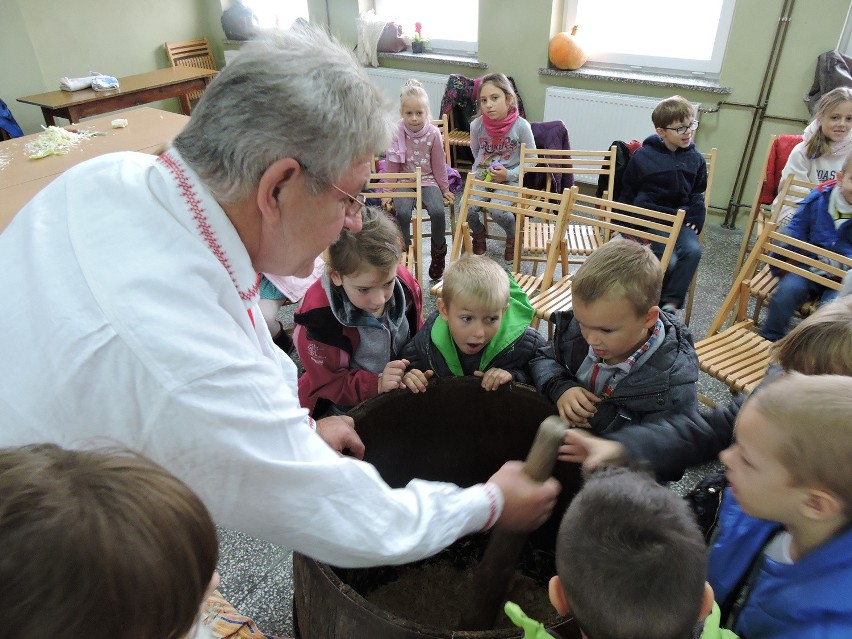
(683, 129)
(353, 200)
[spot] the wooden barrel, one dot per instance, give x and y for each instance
(454, 432)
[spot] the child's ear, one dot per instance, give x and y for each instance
(335, 277)
(652, 317)
(706, 602)
(819, 505)
(557, 596)
(443, 310)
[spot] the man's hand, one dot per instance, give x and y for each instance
(527, 504)
(449, 197)
(416, 380)
(590, 450)
(391, 377)
(493, 378)
(339, 433)
(577, 405)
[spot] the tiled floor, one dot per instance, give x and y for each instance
(257, 576)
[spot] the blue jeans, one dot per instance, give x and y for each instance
(792, 291)
(682, 266)
(433, 202)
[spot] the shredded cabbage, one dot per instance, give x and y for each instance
(54, 141)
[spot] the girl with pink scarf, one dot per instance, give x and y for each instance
(495, 140)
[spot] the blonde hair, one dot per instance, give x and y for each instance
(378, 244)
(812, 416)
(500, 81)
(821, 344)
(476, 279)
(818, 144)
(673, 109)
(413, 89)
(624, 268)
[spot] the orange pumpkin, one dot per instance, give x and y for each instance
(565, 52)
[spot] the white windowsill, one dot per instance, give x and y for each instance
(637, 77)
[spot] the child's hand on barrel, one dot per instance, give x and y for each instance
(391, 377)
(416, 380)
(527, 504)
(581, 447)
(577, 405)
(494, 378)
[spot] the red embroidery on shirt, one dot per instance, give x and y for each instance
(193, 203)
(492, 506)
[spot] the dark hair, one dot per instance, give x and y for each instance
(631, 558)
(673, 109)
(377, 244)
(100, 544)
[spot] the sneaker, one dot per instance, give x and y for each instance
(439, 258)
(509, 251)
(479, 245)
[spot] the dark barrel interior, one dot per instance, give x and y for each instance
(455, 432)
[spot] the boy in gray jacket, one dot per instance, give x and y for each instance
(621, 371)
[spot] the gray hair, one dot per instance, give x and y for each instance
(296, 93)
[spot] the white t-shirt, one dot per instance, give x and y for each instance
(130, 316)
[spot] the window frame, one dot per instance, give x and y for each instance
(660, 64)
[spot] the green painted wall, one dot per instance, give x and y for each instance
(42, 40)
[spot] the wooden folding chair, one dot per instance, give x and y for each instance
(395, 186)
(457, 138)
(525, 204)
(443, 127)
(732, 351)
(792, 191)
(580, 239)
(630, 221)
(710, 159)
(192, 53)
(764, 193)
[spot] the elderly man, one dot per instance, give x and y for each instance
(130, 314)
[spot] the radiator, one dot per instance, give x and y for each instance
(390, 82)
(595, 119)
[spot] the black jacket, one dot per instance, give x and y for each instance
(653, 411)
(663, 180)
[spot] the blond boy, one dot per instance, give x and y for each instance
(622, 372)
(481, 328)
(781, 561)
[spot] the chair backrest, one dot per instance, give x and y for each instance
(710, 159)
(443, 126)
(523, 203)
(566, 162)
(637, 222)
(774, 159)
(791, 194)
(774, 248)
(191, 53)
(394, 186)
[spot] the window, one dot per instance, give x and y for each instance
(451, 26)
(653, 35)
(275, 13)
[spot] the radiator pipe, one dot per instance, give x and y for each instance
(758, 114)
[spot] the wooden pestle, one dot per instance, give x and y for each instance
(491, 579)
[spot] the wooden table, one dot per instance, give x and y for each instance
(133, 90)
(148, 130)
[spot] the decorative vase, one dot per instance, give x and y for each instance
(416, 46)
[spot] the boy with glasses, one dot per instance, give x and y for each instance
(666, 174)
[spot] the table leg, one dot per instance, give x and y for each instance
(48, 116)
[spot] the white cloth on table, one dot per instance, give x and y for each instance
(131, 317)
(96, 81)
